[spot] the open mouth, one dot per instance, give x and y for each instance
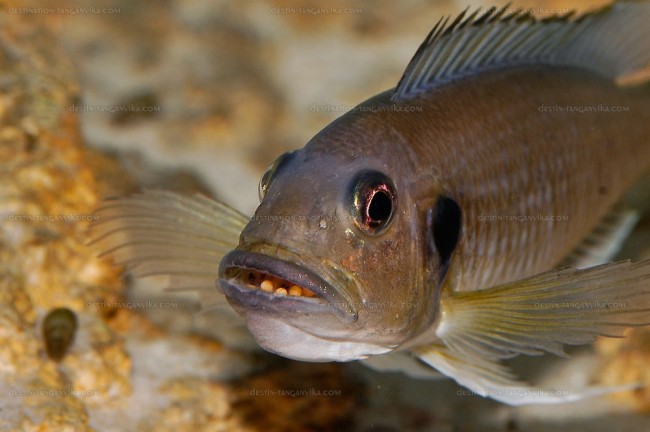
(254, 281)
(258, 280)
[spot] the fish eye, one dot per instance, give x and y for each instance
(373, 201)
(265, 181)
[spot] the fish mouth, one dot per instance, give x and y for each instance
(255, 281)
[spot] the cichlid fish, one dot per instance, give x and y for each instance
(432, 218)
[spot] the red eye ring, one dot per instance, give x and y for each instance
(374, 202)
(378, 206)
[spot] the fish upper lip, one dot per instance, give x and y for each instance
(291, 272)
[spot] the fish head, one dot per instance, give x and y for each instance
(330, 266)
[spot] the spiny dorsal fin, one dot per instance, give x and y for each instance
(612, 41)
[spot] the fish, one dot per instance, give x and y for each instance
(443, 221)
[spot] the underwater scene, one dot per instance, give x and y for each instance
(336, 215)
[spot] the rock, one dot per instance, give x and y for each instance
(626, 361)
(121, 371)
(48, 193)
(298, 397)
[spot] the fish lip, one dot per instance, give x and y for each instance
(329, 300)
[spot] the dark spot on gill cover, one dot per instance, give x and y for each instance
(444, 229)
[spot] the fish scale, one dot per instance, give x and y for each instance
(572, 179)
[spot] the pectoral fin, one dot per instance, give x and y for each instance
(401, 361)
(163, 233)
(538, 314)
(489, 378)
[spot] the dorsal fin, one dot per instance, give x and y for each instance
(612, 41)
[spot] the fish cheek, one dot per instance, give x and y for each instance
(382, 267)
(389, 296)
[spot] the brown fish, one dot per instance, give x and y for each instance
(429, 219)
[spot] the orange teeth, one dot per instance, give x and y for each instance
(267, 286)
(280, 287)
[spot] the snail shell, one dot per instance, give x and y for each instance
(59, 328)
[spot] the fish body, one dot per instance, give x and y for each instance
(521, 162)
(429, 219)
(531, 183)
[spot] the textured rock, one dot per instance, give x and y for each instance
(121, 372)
(298, 397)
(626, 361)
(48, 192)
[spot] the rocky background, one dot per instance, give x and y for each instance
(106, 98)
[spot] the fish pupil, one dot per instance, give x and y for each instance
(380, 207)
(373, 201)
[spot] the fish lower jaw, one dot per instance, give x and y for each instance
(286, 340)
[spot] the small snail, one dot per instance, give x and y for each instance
(59, 328)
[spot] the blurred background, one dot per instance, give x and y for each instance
(220, 88)
(106, 98)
